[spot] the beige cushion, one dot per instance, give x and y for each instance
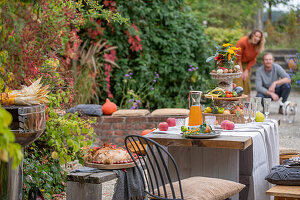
(288, 151)
(131, 113)
(203, 188)
(170, 112)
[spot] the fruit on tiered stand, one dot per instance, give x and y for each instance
(226, 96)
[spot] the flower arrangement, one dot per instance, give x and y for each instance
(225, 58)
(294, 65)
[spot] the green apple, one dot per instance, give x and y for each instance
(221, 110)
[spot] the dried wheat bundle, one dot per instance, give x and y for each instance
(32, 95)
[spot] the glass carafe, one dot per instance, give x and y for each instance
(195, 116)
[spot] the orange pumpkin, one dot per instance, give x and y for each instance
(109, 107)
(145, 132)
(136, 147)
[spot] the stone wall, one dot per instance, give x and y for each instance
(114, 129)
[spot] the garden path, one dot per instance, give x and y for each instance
(289, 134)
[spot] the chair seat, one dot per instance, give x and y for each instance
(203, 188)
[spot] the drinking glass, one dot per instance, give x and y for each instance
(267, 102)
(210, 120)
(252, 111)
(257, 101)
(180, 122)
(246, 111)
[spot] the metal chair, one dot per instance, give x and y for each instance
(155, 164)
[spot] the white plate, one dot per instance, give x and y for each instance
(171, 130)
(204, 135)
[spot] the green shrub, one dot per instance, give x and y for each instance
(226, 14)
(62, 142)
(163, 38)
(223, 35)
(46, 172)
(284, 33)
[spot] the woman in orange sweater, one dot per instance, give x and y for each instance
(251, 46)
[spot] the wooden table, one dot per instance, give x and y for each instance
(216, 157)
(290, 192)
(223, 142)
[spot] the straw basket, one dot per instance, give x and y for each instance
(232, 117)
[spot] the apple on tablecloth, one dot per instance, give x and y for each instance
(171, 122)
(227, 125)
(163, 126)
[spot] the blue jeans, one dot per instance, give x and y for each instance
(282, 91)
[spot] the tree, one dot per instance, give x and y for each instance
(226, 14)
(272, 3)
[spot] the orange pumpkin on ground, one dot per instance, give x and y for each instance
(109, 107)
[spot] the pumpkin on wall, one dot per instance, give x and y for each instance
(109, 107)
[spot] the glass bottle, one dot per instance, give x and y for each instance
(195, 116)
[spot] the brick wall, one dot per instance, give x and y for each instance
(114, 129)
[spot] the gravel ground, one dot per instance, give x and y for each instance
(289, 135)
(108, 189)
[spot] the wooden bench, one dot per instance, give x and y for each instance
(282, 192)
(86, 186)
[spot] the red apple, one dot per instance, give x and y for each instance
(229, 125)
(223, 123)
(233, 85)
(171, 122)
(163, 126)
(237, 109)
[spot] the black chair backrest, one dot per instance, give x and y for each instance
(155, 162)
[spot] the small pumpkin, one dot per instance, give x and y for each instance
(109, 107)
(145, 132)
(136, 147)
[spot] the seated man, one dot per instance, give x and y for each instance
(272, 81)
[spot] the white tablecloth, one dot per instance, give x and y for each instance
(264, 154)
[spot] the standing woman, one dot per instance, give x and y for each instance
(251, 46)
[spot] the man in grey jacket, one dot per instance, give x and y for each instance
(272, 81)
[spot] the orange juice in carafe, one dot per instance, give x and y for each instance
(195, 116)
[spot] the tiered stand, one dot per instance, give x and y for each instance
(225, 81)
